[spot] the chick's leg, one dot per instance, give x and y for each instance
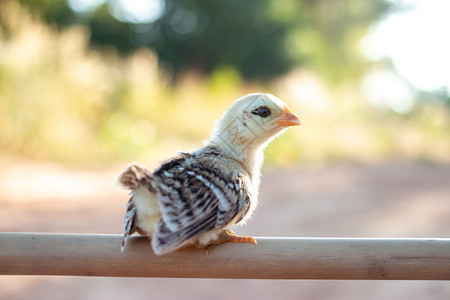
(228, 236)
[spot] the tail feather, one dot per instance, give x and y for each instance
(136, 175)
(132, 178)
(128, 224)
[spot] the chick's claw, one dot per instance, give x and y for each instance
(228, 236)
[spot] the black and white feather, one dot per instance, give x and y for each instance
(191, 198)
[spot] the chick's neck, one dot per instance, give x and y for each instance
(249, 155)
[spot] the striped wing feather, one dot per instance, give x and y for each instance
(195, 198)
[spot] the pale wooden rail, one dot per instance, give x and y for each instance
(275, 258)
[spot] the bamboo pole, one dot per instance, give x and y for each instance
(273, 258)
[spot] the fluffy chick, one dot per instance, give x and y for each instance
(195, 197)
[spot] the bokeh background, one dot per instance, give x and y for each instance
(88, 85)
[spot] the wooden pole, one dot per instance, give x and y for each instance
(273, 258)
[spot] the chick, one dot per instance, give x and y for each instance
(196, 197)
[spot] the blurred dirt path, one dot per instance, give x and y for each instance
(388, 200)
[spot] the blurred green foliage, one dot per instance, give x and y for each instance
(61, 99)
(261, 39)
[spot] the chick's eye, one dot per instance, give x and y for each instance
(262, 111)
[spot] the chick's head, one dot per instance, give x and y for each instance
(251, 122)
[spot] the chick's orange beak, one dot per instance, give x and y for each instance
(287, 119)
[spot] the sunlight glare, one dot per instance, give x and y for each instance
(386, 89)
(84, 6)
(135, 11)
(417, 42)
(138, 11)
